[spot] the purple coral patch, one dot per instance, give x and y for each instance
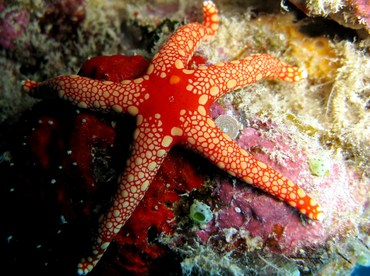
(12, 25)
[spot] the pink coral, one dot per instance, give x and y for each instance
(12, 25)
(250, 225)
(252, 140)
(262, 216)
(362, 10)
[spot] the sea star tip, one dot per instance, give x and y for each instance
(29, 85)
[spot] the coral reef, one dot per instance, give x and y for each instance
(12, 25)
(188, 95)
(286, 126)
(354, 14)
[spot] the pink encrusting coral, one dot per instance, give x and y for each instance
(13, 23)
(247, 221)
(262, 217)
(262, 147)
(362, 11)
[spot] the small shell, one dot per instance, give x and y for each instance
(229, 125)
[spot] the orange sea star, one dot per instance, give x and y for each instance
(171, 104)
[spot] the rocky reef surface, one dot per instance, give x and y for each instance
(59, 164)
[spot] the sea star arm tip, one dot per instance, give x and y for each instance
(89, 93)
(240, 73)
(228, 156)
(177, 51)
(29, 85)
(211, 17)
(147, 155)
(84, 267)
(290, 73)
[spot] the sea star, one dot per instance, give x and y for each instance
(171, 104)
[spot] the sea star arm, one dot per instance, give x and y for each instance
(219, 79)
(207, 139)
(89, 93)
(180, 47)
(149, 149)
